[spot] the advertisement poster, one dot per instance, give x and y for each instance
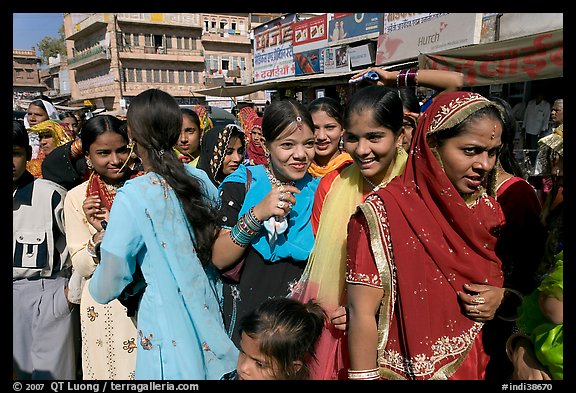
(310, 37)
(309, 62)
(336, 59)
(346, 28)
(310, 30)
(405, 36)
(273, 50)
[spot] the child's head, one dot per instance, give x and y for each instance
(21, 150)
(278, 339)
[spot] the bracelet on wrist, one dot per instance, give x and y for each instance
(508, 309)
(364, 374)
(76, 149)
(247, 227)
(93, 249)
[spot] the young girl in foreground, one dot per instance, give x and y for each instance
(277, 339)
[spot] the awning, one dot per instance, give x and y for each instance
(538, 56)
(289, 82)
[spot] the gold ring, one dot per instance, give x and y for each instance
(281, 196)
(281, 204)
(479, 300)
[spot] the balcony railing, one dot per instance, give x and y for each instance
(96, 54)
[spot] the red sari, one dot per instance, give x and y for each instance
(421, 241)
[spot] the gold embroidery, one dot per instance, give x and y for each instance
(92, 315)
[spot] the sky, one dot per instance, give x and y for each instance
(30, 28)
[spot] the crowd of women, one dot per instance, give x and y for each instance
(371, 239)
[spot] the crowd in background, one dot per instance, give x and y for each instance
(378, 238)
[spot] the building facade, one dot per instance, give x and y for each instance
(113, 57)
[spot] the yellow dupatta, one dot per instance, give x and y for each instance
(324, 276)
(319, 171)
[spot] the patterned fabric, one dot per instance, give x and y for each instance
(60, 134)
(427, 242)
(255, 153)
(324, 276)
(180, 329)
(205, 120)
(213, 150)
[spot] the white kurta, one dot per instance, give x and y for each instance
(108, 334)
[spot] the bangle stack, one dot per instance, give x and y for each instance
(365, 375)
(76, 149)
(246, 228)
(91, 248)
(407, 78)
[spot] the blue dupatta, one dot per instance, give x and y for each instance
(297, 241)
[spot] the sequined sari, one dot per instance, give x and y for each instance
(427, 242)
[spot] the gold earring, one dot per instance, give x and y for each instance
(89, 164)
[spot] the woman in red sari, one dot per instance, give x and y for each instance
(423, 275)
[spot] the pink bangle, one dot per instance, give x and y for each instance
(411, 78)
(401, 78)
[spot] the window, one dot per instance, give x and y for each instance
(223, 24)
(130, 75)
(207, 60)
(179, 42)
(187, 43)
(138, 75)
(196, 77)
(149, 75)
(181, 79)
(147, 40)
(214, 63)
(206, 23)
(170, 76)
(156, 76)
(168, 42)
(233, 25)
(135, 39)
(225, 63)
(164, 76)
(188, 76)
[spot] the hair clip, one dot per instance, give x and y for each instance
(299, 122)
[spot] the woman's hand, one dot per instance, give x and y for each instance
(387, 78)
(480, 302)
(339, 318)
(278, 202)
(526, 365)
(94, 212)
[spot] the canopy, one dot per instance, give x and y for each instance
(288, 82)
(538, 56)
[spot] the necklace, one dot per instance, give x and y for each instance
(274, 181)
(112, 188)
(374, 186)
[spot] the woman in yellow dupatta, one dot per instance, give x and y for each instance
(328, 145)
(373, 139)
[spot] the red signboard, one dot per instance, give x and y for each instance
(538, 56)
